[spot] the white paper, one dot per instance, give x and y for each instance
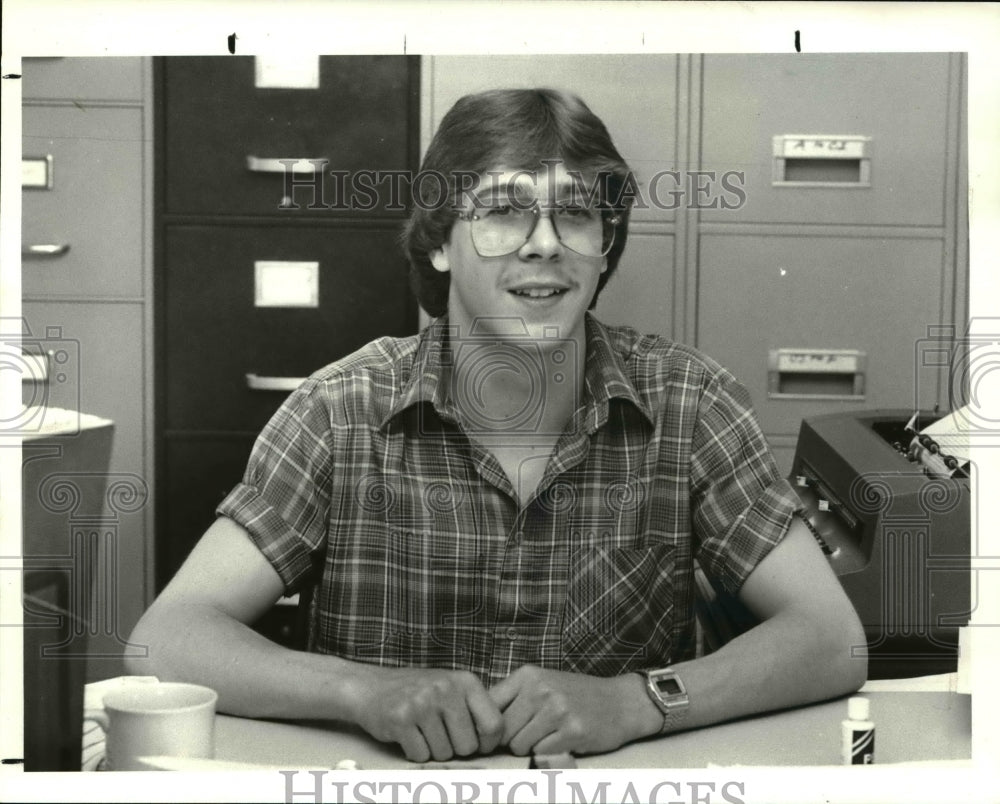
(35, 173)
(286, 72)
(952, 433)
(286, 284)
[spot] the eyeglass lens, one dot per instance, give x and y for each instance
(502, 229)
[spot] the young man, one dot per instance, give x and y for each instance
(501, 515)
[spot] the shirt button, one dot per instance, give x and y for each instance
(512, 634)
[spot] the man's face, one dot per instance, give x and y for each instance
(542, 286)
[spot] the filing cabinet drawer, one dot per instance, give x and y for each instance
(639, 294)
(95, 367)
(215, 335)
(878, 296)
(358, 119)
(95, 204)
(830, 94)
(82, 79)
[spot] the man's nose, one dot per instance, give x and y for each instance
(543, 243)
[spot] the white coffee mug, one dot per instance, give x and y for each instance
(168, 719)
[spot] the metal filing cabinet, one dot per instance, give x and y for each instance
(229, 350)
(819, 290)
(86, 284)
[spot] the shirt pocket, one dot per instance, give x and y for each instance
(619, 610)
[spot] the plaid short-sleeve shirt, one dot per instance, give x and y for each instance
(367, 485)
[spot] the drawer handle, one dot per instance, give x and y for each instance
(258, 383)
(816, 374)
(260, 164)
(45, 250)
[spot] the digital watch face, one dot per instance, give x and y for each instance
(669, 686)
(668, 693)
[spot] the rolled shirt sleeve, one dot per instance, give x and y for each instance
(283, 501)
(741, 506)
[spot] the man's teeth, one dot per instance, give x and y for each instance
(538, 293)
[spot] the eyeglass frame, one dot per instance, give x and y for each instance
(536, 209)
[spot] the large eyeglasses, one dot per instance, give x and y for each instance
(501, 229)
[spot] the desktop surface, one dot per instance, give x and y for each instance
(909, 727)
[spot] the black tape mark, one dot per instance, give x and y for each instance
(11, 761)
(798, 45)
(232, 44)
(12, 75)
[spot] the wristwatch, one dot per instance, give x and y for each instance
(666, 690)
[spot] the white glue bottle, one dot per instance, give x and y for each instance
(858, 734)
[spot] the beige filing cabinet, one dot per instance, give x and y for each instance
(87, 295)
(845, 253)
(820, 291)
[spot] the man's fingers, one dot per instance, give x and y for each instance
(437, 738)
(516, 717)
(435, 714)
(487, 720)
(527, 739)
(461, 731)
(554, 743)
(414, 745)
(504, 692)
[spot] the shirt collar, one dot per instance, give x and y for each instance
(605, 377)
(429, 373)
(429, 379)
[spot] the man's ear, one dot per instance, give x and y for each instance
(440, 261)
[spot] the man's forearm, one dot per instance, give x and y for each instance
(788, 660)
(253, 676)
(430, 713)
(800, 653)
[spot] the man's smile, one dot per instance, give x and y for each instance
(538, 293)
(538, 290)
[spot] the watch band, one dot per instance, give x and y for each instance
(667, 691)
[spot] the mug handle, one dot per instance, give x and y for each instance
(99, 716)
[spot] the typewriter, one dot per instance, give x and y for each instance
(891, 511)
